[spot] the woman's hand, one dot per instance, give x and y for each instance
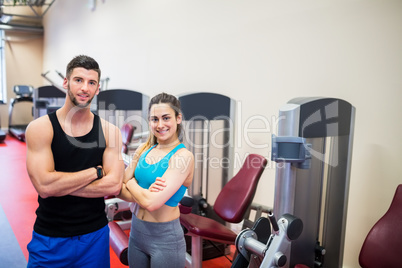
(158, 185)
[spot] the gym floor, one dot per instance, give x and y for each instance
(18, 202)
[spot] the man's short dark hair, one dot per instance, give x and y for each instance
(83, 62)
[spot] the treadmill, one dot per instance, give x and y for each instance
(24, 94)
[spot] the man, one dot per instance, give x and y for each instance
(73, 160)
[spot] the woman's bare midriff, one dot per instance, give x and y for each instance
(163, 214)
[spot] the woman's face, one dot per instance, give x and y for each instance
(163, 122)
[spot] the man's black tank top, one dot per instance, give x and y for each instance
(68, 215)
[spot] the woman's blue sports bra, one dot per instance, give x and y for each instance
(146, 174)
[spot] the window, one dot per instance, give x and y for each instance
(3, 88)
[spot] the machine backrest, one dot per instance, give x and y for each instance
(23, 90)
(127, 132)
(383, 244)
(237, 195)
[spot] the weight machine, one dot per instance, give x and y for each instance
(313, 151)
(123, 106)
(47, 99)
(208, 134)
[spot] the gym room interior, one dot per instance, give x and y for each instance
(260, 54)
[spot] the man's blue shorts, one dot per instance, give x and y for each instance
(89, 250)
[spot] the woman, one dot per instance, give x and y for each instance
(156, 237)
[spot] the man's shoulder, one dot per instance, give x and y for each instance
(39, 129)
(39, 122)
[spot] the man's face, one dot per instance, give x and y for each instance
(82, 86)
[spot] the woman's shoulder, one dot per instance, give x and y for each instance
(184, 152)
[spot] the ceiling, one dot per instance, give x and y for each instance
(23, 15)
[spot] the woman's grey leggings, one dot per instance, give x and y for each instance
(156, 244)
